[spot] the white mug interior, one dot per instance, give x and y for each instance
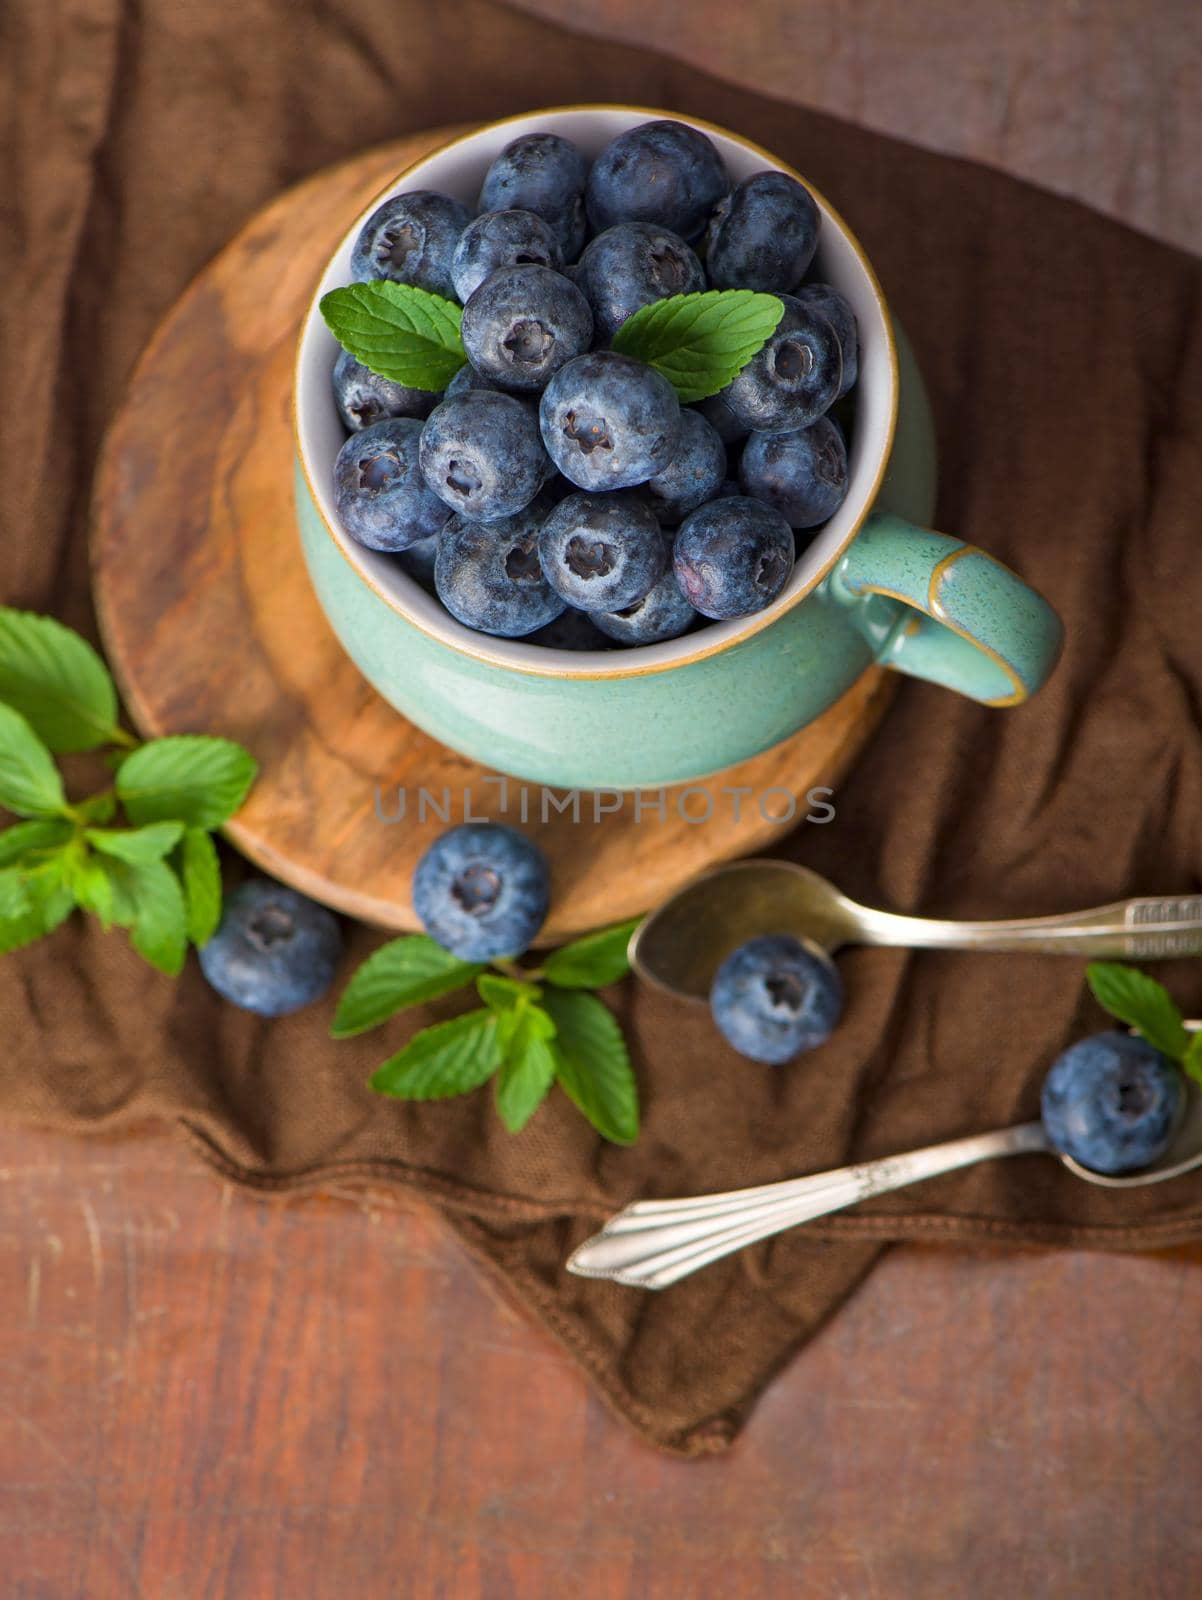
(458, 169)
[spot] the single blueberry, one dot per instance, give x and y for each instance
(733, 556)
(546, 174)
(663, 172)
(609, 421)
(411, 239)
(763, 235)
(571, 630)
(794, 378)
(274, 951)
(722, 419)
(523, 324)
(802, 473)
(379, 489)
(481, 453)
(502, 239)
(693, 475)
(1112, 1102)
(828, 302)
(631, 265)
(602, 552)
(776, 996)
(488, 576)
(482, 890)
(363, 397)
(662, 613)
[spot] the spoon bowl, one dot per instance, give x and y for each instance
(680, 947)
(1183, 1154)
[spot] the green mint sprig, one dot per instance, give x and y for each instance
(1146, 1005)
(699, 342)
(399, 331)
(536, 1027)
(154, 873)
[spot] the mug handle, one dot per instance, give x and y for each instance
(968, 622)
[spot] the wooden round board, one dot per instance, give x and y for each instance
(211, 626)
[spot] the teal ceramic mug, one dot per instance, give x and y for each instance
(875, 585)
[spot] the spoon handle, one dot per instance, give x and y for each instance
(1140, 930)
(654, 1243)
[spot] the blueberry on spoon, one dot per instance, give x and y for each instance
(776, 996)
(1112, 1102)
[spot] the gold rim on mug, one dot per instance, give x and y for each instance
(472, 644)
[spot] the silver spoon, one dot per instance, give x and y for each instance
(654, 1243)
(680, 947)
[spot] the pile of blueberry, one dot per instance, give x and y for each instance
(558, 490)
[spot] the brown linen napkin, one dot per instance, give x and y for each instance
(1062, 353)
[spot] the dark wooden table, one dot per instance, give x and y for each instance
(205, 1396)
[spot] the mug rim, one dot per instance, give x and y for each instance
(586, 665)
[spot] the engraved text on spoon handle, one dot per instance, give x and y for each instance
(1132, 930)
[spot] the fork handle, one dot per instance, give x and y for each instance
(1133, 930)
(654, 1243)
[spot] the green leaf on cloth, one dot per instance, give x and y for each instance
(187, 778)
(592, 1064)
(57, 682)
(1142, 1003)
(593, 961)
(447, 1059)
(30, 784)
(405, 972)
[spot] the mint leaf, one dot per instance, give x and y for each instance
(99, 807)
(35, 894)
(1141, 1003)
(158, 931)
(48, 903)
(57, 682)
(528, 1070)
(1192, 1060)
(401, 332)
(699, 342)
(185, 778)
(30, 785)
(92, 886)
(592, 962)
(512, 1001)
(405, 972)
(592, 1064)
(200, 870)
(14, 894)
(502, 994)
(150, 843)
(449, 1058)
(147, 899)
(24, 838)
